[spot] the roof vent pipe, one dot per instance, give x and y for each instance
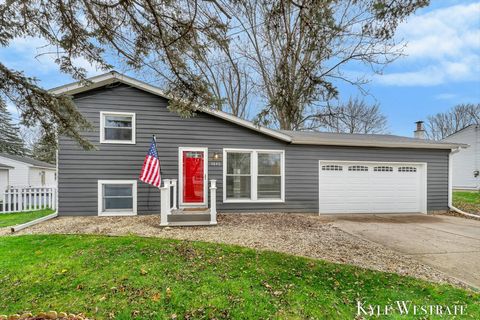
(420, 132)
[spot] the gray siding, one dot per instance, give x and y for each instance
(80, 170)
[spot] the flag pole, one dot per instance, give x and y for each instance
(159, 166)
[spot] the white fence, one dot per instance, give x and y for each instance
(19, 199)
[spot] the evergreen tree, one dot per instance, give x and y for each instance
(45, 149)
(10, 139)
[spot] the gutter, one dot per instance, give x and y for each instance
(450, 188)
(376, 144)
(463, 212)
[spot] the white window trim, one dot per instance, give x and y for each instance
(254, 176)
(102, 127)
(117, 213)
(180, 177)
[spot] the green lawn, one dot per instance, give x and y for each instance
(12, 219)
(468, 201)
(148, 278)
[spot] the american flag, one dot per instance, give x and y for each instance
(151, 167)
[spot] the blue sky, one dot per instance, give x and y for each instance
(441, 67)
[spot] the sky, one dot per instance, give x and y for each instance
(440, 68)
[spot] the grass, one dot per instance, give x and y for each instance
(468, 201)
(147, 278)
(14, 218)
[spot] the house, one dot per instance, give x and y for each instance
(4, 176)
(466, 162)
(21, 171)
(257, 169)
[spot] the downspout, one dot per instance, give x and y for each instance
(450, 187)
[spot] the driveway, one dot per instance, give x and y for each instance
(449, 244)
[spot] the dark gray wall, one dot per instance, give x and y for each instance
(80, 170)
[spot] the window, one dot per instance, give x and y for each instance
(117, 127)
(239, 176)
(269, 181)
(117, 197)
(357, 168)
(383, 169)
(407, 169)
(253, 175)
(332, 167)
(42, 178)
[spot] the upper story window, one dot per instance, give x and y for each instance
(117, 127)
(253, 175)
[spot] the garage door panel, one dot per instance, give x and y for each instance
(358, 187)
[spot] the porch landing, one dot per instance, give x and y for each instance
(170, 215)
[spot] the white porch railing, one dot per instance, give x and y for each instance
(168, 200)
(21, 199)
(167, 204)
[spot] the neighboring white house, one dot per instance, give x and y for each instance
(466, 162)
(4, 176)
(24, 172)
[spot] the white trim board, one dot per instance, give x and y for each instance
(423, 167)
(254, 175)
(116, 213)
(180, 177)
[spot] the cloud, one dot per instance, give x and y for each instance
(34, 56)
(446, 96)
(436, 73)
(443, 46)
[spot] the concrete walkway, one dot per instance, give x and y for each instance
(450, 244)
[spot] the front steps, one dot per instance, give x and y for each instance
(189, 217)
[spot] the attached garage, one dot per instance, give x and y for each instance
(372, 187)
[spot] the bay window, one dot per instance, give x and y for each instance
(253, 175)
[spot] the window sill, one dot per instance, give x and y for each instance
(117, 142)
(116, 214)
(253, 201)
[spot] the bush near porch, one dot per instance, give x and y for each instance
(468, 201)
(15, 218)
(147, 278)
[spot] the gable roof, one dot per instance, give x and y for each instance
(31, 162)
(366, 140)
(463, 129)
(294, 137)
(4, 166)
(113, 77)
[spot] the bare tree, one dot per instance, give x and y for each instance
(204, 52)
(298, 50)
(443, 124)
(227, 77)
(355, 116)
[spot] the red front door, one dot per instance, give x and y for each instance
(193, 177)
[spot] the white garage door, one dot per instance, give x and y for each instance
(369, 187)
